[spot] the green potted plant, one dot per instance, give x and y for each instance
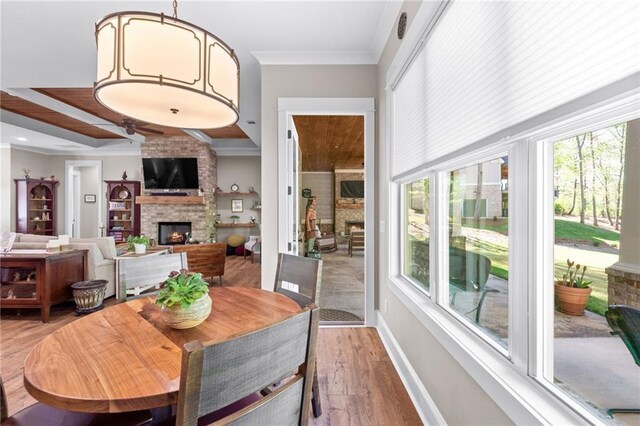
(184, 298)
(234, 218)
(138, 243)
(572, 291)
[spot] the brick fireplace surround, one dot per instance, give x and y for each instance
(181, 146)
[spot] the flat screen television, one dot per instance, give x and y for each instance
(352, 189)
(170, 173)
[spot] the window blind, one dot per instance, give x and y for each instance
(487, 66)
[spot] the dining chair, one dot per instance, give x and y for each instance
(207, 259)
(356, 241)
(41, 414)
(299, 279)
(142, 276)
(214, 377)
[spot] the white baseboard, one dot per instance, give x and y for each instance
(427, 409)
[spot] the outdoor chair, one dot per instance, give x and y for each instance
(41, 414)
(299, 279)
(142, 276)
(217, 379)
(625, 322)
(207, 259)
(469, 272)
(356, 241)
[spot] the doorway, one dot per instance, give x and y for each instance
(334, 138)
(84, 195)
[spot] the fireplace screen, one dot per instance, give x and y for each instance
(173, 232)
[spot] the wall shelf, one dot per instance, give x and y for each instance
(170, 199)
(235, 225)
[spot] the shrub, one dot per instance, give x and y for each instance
(558, 208)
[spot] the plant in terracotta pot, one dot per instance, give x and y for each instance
(184, 298)
(138, 243)
(572, 291)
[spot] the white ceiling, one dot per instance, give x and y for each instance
(51, 43)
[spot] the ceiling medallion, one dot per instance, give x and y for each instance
(402, 25)
(166, 71)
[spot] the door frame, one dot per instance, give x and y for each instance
(68, 169)
(288, 107)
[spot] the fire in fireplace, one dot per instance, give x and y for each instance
(170, 233)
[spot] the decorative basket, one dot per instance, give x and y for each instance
(178, 317)
(89, 295)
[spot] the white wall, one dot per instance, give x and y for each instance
(281, 81)
(89, 184)
(458, 397)
(6, 185)
(245, 172)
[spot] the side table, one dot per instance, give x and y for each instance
(40, 279)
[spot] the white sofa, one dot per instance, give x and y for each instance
(101, 255)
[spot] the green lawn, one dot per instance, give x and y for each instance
(579, 231)
(595, 261)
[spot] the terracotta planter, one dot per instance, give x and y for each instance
(178, 317)
(571, 300)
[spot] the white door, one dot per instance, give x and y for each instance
(293, 219)
(75, 200)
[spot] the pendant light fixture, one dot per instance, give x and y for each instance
(166, 71)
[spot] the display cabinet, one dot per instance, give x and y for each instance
(123, 214)
(36, 206)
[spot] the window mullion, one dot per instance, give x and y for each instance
(440, 265)
(518, 181)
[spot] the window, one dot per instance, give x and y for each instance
(588, 243)
(478, 249)
(416, 233)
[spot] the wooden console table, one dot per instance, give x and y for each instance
(39, 280)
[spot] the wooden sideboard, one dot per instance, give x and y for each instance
(39, 280)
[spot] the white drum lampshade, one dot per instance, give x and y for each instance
(166, 71)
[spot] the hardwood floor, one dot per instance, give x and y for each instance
(358, 383)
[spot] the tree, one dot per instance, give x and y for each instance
(583, 200)
(619, 132)
(478, 211)
(575, 194)
(593, 179)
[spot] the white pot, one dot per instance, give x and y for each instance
(140, 248)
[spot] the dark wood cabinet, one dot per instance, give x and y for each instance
(123, 214)
(36, 206)
(40, 280)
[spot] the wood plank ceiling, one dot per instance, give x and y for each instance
(329, 142)
(82, 98)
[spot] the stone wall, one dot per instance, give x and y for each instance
(351, 209)
(200, 216)
(623, 288)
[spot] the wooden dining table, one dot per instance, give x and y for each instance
(124, 358)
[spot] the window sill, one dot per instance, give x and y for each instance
(523, 399)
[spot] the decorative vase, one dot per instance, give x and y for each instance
(571, 300)
(140, 248)
(177, 316)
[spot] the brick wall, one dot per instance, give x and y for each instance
(200, 216)
(623, 288)
(351, 209)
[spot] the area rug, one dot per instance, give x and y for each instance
(338, 316)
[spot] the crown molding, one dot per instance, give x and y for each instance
(386, 25)
(315, 58)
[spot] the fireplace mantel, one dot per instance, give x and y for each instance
(170, 199)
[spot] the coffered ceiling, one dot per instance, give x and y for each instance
(329, 142)
(48, 58)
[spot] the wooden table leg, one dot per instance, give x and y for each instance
(315, 394)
